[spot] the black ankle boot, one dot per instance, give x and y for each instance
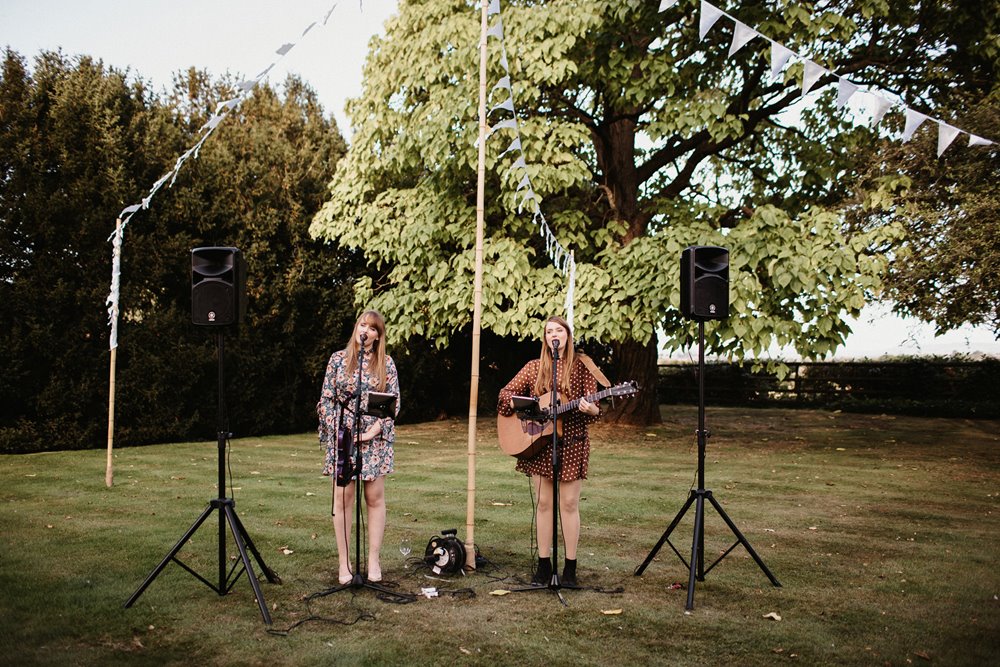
(569, 573)
(543, 573)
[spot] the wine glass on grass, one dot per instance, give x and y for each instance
(404, 548)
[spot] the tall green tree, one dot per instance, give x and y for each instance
(78, 142)
(255, 185)
(947, 267)
(640, 140)
(74, 140)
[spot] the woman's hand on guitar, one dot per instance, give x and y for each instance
(589, 408)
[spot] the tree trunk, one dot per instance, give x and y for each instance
(636, 362)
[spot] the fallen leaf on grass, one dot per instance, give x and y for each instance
(773, 615)
(813, 528)
(285, 550)
(465, 650)
(502, 504)
(922, 654)
(499, 591)
(611, 612)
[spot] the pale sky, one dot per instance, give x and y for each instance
(155, 39)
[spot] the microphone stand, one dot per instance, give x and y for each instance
(359, 580)
(554, 584)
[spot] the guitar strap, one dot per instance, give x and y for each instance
(594, 370)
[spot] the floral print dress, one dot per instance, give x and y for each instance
(338, 401)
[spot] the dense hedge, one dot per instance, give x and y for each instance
(933, 386)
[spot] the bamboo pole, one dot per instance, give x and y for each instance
(470, 542)
(109, 471)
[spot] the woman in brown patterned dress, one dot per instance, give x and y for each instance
(336, 412)
(535, 379)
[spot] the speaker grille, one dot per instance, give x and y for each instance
(218, 286)
(705, 282)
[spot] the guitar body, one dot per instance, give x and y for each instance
(524, 438)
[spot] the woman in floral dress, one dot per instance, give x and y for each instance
(336, 410)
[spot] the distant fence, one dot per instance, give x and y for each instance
(933, 386)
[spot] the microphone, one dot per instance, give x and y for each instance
(364, 338)
(555, 348)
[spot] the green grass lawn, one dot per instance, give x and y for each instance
(882, 530)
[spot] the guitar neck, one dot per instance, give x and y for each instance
(592, 398)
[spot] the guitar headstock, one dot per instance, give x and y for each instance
(624, 389)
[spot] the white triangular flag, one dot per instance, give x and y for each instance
(913, 121)
(946, 135)
(709, 15)
(494, 8)
(741, 35)
(496, 30)
(845, 90)
(879, 107)
(509, 123)
(978, 141)
(514, 146)
(518, 164)
(507, 104)
(129, 209)
(810, 75)
(666, 4)
(779, 58)
(502, 83)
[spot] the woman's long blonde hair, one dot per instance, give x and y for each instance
(543, 383)
(376, 365)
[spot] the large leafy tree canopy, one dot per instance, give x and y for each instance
(640, 140)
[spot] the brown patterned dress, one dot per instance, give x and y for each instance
(575, 452)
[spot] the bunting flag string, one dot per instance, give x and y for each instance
(524, 194)
(877, 104)
(222, 111)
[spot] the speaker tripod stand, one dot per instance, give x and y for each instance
(227, 517)
(697, 497)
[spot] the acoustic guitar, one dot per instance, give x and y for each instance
(524, 438)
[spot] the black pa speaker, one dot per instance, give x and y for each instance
(705, 283)
(218, 286)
